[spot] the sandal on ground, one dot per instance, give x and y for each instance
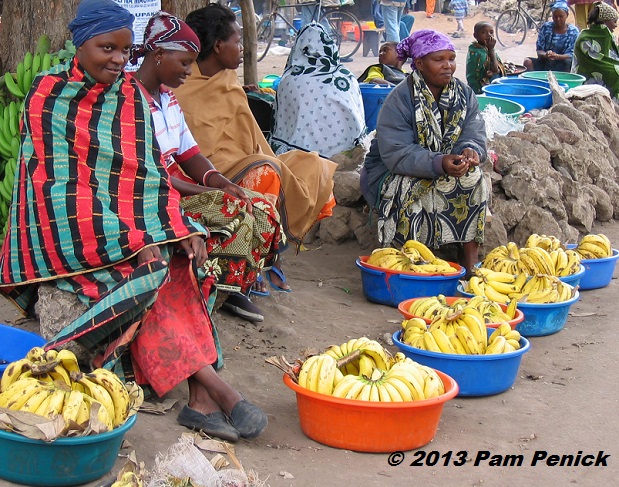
(259, 292)
(240, 305)
(281, 275)
(213, 424)
(248, 419)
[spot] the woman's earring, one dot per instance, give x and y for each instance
(158, 62)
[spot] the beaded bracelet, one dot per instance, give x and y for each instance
(207, 174)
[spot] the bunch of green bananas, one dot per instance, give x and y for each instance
(462, 335)
(362, 369)
(593, 246)
(16, 86)
(50, 383)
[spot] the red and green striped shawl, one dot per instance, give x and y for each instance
(91, 189)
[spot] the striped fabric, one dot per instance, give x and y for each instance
(91, 190)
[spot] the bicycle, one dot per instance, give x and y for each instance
(343, 26)
(512, 25)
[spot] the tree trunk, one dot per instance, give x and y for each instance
(180, 8)
(250, 65)
(24, 22)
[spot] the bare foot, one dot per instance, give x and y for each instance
(277, 281)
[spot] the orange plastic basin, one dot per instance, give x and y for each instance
(404, 306)
(378, 427)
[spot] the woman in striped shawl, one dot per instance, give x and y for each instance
(94, 214)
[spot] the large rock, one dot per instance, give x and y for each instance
(346, 188)
(541, 221)
(336, 229)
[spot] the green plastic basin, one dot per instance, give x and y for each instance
(570, 79)
(506, 107)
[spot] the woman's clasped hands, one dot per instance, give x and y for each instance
(458, 165)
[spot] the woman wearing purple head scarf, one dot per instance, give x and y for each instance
(422, 173)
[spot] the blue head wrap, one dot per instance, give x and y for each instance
(96, 17)
(560, 5)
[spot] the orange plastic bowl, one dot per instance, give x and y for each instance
(364, 426)
(404, 306)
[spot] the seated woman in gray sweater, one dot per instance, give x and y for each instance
(422, 172)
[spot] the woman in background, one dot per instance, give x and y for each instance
(597, 52)
(298, 183)
(318, 104)
(555, 42)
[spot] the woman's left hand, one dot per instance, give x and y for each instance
(471, 157)
(219, 181)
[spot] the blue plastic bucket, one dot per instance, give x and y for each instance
(373, 96)
(296, 23)
(15, 344)
(476, 375)
(539, 319)
(63, 462)
(391, 287)
(598, 272)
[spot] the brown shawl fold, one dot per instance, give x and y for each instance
(217, 111)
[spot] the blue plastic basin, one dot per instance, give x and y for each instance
(539, 319)
(527, 81)
(391, 288)
(574, 279)
(476, 375)
(598, 272)
(15, 344)
(63, 462)
(529, 96)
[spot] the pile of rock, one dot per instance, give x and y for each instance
(556, 177)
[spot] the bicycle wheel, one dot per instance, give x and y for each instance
(511, 28)
(345, 29)
(264, 36)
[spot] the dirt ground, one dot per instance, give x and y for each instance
(563, 401)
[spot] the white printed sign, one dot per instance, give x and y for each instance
(142, 10)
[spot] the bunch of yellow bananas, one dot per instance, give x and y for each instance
(533, 259)
(405, 380)
(594, 246)
(128, 479)
(368, 372)
(546, 242)
(50, 383)
(389, 258)
(508, 289)
(462, 333)
(433, 306)
(414, 257)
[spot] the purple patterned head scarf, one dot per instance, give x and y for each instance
(421, 43)
(168, 32)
